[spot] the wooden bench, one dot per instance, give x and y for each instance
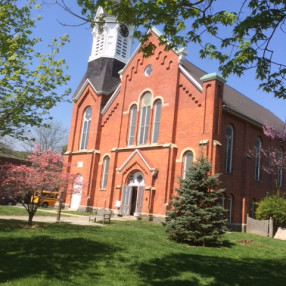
(100, 214)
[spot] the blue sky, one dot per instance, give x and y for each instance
(77, 51)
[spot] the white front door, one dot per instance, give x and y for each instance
(126, 199)
(132, 197)
(76, 194)
(75, 201)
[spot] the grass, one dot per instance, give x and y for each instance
(133, 253)
(20, 211)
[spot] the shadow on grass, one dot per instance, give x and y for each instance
(51, 257)
(196, 270)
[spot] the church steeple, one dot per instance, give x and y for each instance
(111, 49)
(112, 40)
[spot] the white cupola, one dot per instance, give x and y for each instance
(112, 40)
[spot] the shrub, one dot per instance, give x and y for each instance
(197, 217)
(273, 206)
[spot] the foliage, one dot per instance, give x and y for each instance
(197, 217)
(28, 78)
(52, 137)
(90, 255)
(274, 154)
(274, 133)
(7, 150)
(239, 40)
(273, 206)
(45, 172)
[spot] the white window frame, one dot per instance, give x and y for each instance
(105, 170)
(144, 118)
(85, 128)
(156, 121)
(132, 125)
(229, 149)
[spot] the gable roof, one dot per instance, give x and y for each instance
(238, 103)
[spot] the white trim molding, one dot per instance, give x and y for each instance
(190, 78)
(154, 171)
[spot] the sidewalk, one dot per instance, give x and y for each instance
(66, 218)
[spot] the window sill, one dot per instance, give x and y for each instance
(149, 146)
(102, 190)
(83, 151)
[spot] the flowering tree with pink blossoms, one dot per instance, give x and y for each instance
(276, 156)
(45, 171)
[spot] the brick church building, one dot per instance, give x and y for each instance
(138, 123)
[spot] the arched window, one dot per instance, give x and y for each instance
(144, 118)
(230, 208)
(280, 168)
(85, 128)
(252, 208)
(188, 160)
(257, 163)
(132, 125)
(229, 149)
(105, 169)
(223, 200)
(156, 120)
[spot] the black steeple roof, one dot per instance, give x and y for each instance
(103, 75)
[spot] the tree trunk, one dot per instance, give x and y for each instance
(59, 207)
(30, 220)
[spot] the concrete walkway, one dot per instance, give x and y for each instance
(66, 218)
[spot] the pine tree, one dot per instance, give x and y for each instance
(197, 217)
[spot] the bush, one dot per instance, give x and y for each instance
(273, 206)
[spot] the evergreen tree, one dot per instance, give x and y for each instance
(197, 217)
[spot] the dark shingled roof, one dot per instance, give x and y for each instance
(237, 102)
(103, 75)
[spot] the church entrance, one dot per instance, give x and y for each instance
(132, 197)
(76, 193)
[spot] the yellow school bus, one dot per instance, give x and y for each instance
(48, 198)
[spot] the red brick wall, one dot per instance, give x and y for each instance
(189, 117)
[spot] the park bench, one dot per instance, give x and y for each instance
(100, 215)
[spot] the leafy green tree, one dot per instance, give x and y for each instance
(197, 217)
(239, 39)
(273, 206)
(51, 137)
(28, 78)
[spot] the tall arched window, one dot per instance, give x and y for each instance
(85, 128)
(230, 208)
(252, 208)
(156, 120)
(280, 169)
(257, 163)
(223, 200)
(132, 125)
(105, 169)
(144, 118)
(229, 149)
(188, 160)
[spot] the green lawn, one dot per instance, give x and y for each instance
(20, 211)
(132, 253)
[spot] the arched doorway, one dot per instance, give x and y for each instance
(76, 193)
(132, 197)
